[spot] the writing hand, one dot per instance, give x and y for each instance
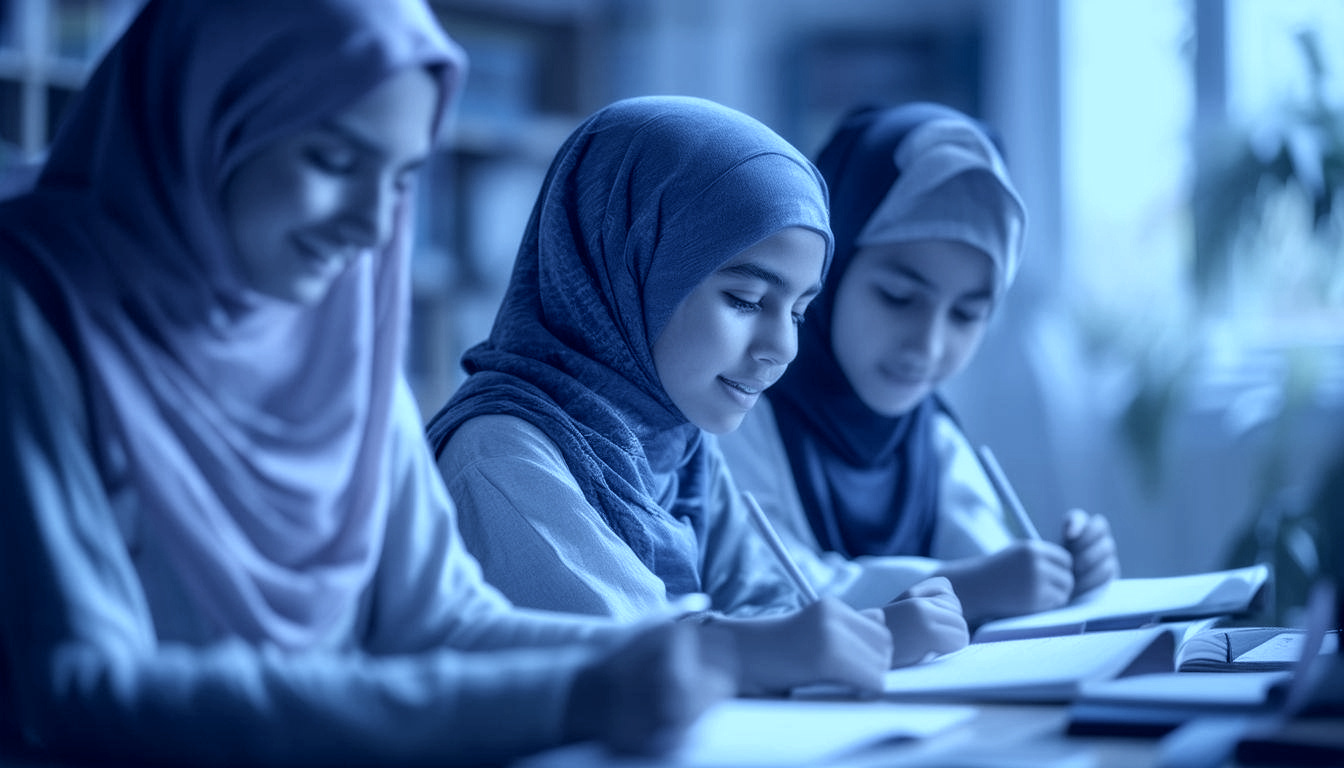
(1027, 576)
(641, 698)
(1095, 558)
(925, 619)
(826, 642)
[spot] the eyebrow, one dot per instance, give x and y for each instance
(918, 277)
(758, 272)
(363, 144)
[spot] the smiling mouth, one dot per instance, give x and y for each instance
(324, 257)
(740, 387)
(904, 378)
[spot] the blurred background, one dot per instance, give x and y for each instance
(1173, 352)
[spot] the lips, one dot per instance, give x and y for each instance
(910, 377)
(746, 387)
(326, 256)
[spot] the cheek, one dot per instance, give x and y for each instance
(961, 348)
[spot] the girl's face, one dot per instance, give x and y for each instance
(907, 316)
(304, 207)
(735, 334)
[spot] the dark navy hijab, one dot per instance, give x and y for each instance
(869, 483)
(645, 199)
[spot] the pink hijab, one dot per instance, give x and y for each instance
(253, 434)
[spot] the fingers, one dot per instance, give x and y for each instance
(932, 587)
(645, 695)
(926, 620)
(826, 642)
(1095, 558)
(857, 645)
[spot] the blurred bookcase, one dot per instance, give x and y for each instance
(530, 83)
(47, 49)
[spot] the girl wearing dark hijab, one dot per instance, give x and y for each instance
(854, 456)
(673, 248)
(225, 541)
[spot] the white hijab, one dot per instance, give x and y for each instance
(253, 433)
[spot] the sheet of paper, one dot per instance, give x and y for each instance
(1035, 669)
(1132, 602)
(780, 732)
(1287, 647)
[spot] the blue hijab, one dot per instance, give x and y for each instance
(645, 199)
(869, 482)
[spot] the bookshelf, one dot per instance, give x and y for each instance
(530, 83)
(47, 50)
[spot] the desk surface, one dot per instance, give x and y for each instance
(1000, 736)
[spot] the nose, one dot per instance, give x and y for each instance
(776, 341)
(926, 334)
(370, 213)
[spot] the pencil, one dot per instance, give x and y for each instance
(1006, 492)
(768, 533)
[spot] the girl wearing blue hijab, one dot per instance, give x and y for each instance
(672, 250)
(854, 456)
(225, 541)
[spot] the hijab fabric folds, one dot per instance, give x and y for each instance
(645, 199)
(920, 171)
(251, 433)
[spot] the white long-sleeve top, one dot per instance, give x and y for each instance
(970, 518)
(102, 653)
(541, 542)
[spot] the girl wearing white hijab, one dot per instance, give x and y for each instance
(225, 541)
(854, 456)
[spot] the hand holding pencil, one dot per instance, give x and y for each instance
(1087, 537)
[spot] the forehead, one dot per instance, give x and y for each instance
(947, 264)
(395, 118)
(791, 259)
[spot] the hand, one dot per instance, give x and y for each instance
(1027, 576)
(925, 619)
(1095, 559)
(642, 697)
(825, 642)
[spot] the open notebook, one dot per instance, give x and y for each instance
(778, 732)
(1037, 669)
(1130, 603)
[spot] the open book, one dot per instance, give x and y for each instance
(1130, 603)
(1038, 669)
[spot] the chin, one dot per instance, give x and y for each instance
(722, 425)
(895, 405)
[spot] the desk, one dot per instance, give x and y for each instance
(1000, 736)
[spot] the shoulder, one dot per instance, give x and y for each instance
(498, 441)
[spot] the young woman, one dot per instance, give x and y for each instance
(853, 455)
(672, 250)
(225, 540)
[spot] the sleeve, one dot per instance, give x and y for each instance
(970, 517)
(759, 463)
(739, 570)
(537, 538)
(85, 677)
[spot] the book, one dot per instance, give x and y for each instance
(1247, 649)
(1153, 705)
(1035, 669)
(1138, 602)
